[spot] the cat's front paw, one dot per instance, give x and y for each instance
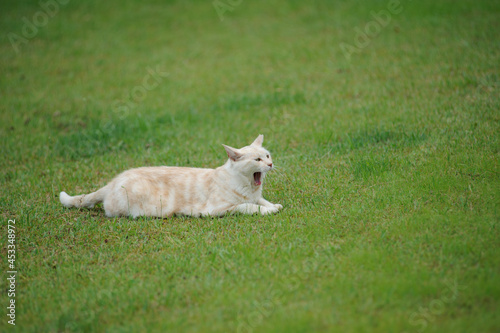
(278, 206)
(268, 210)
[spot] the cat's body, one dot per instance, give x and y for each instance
(164, 191)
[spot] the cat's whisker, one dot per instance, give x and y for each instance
(279, 169)
(283, 175)
(288, 179)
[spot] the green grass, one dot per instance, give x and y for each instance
(387, 166)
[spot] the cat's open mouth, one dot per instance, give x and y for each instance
(257, 178)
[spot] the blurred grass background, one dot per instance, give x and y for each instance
(387, 165)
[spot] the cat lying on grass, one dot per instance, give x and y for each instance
(164, 191)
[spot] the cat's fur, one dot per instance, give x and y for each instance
(164, 191)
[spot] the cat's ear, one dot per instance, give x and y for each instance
(232, 153)
(258, 142)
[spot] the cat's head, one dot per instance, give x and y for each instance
(251, 161)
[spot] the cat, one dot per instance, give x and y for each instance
(235, 187)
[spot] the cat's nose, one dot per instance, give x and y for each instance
(270, 164)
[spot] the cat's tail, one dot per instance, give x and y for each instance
(84, 200)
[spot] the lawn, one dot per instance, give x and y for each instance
(383, 120)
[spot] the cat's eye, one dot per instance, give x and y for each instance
(267, 155)
(258, 159)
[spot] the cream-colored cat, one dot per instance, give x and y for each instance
(164, 191)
